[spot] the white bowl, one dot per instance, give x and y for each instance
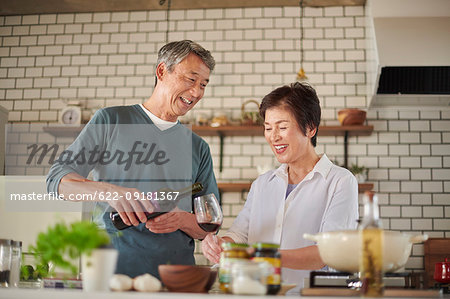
(340, 249)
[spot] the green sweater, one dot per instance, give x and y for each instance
(122, 146)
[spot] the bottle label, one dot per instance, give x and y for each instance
(371, 264)
(274, 276)
(225, 269)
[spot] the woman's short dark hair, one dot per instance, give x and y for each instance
(299, 98)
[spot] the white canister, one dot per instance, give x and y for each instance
(16, 257)
(98, 268)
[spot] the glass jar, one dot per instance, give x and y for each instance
(31, 271)
(5, 262)
(16, 257)
(268, 253)
(232, 252)
(249, 278)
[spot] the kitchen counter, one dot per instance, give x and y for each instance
(75, 294)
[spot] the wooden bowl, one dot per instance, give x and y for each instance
(351, 117)
(187, 278)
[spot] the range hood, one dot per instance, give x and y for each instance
(408, 52)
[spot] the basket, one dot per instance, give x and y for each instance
(250, 118)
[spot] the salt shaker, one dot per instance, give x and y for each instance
(16, 255)
(5, 262)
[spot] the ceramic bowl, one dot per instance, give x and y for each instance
(187, 278)
(335, 246)
(351, 117)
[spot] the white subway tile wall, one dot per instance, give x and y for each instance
(106, 59)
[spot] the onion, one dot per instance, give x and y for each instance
(146, 283)
(120, 282)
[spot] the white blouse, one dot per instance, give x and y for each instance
(325, 200)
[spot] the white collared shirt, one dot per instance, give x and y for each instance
(325, 200)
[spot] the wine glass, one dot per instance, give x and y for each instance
(208, 212)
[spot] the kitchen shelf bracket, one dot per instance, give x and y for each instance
(346, 149)
(221, 140)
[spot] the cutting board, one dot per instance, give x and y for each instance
(343, 292)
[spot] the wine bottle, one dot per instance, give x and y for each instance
(163, 206)
(371, 250)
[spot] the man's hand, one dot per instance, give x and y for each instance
(169, 222)
(131, 205)
(129, 202)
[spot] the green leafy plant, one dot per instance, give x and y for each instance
(27, 272)
(63, 244)
(355, 169)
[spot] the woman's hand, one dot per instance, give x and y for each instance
(211, 248)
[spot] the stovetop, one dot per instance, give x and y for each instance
(399, 284)
(321, 279)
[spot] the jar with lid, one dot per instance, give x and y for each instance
(268, 253)
(249, 277)
(232, 252)
(5, 262)
(16, 257)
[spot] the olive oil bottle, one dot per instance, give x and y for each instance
(371, 248)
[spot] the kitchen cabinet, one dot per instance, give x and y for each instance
(227, 131)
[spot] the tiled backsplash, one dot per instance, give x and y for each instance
(106, 59)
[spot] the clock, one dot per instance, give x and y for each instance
(70, 115)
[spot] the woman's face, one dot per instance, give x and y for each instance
(284, 136)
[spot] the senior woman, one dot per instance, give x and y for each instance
(306, 194)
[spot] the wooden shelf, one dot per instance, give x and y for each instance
(223, 131)
(64, 130)
(243, 187)
(228, 130)
(18, 7)
(259, 130)
(73, 131)
(365, 187)
(234, 187)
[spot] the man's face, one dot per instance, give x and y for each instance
(184, 86)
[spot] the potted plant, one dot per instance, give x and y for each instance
(360, 172)
(64, 244)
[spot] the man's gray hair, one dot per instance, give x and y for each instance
(173, 53)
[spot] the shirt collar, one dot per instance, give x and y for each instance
(323, 167)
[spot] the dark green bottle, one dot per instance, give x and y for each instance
(162, 206)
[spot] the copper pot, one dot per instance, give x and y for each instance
(442, 272)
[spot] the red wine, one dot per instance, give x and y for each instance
(164, 205)
(209, 227)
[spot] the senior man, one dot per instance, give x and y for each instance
(133, 151)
